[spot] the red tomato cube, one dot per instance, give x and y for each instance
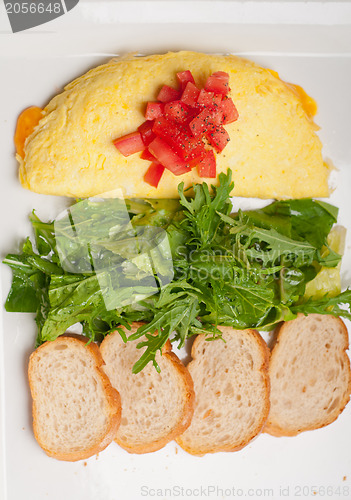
(230, 113)
(218, 137)
(190, 94)
(154, 173)
(187, 146)
(207, 166)
(167, 157)
(196, 148)
(184, 77)
(218, 83)
(218, 117)
(153, 110)
(217, 99)
(168, 94)
(176, 135)
(146, 155)
(206, 98)
(166, 129)
(130, 144)
(146, 132)
(176, 111)
(196, 155)
(201, 123)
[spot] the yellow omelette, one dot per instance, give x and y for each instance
(273, 152)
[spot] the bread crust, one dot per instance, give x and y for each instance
(112, 396)
(188, 397)
(273, 428)
(266, 382)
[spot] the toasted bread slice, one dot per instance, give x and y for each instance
(310, 374)
(231, 390)
(156, 407)
(76, 411)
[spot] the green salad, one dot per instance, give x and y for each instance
(180, 266)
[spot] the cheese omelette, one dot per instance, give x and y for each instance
(274, 151)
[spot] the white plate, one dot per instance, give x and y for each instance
(307, 43)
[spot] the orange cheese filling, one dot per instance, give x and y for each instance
(308, 103)
(26, 122)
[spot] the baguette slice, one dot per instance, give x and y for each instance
(310, 374)
(231, 391)
(76, 411)
(156, 407)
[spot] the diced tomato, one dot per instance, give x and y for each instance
(218, 138)
(206, 98)
(192, 148)
(173, 134)
(146, 132)
(196, 155)
(201, 123)
(178, 137)
(207, 166)
(218, 83)
(167, 157)
(170, 131)
(165, 128)
(154, 173)
(146, 155)
(153, 110)
(176, 111)
(211, 102)
(218, 117)
(168, 94)
(195, 148)
(187, 146)
(190, 94)
(130, 144)
(217, 99)
(230, 113)
(184, 77)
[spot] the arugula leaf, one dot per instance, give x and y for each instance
(202, 219)
(260, 218)
(311, 220)
(26, 281)
(271, 246)
(178, 313)
(331, 259)
(44, 233)
(337, 306)
(153, 344)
